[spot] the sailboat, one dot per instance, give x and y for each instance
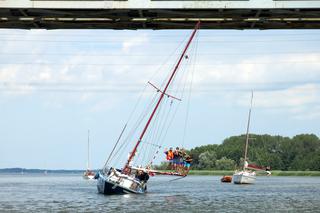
(245, 176)
(133, 179)
(88, 174)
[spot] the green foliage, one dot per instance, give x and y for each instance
(302, 152)
(207, 160)
(225, 164)
(163, 166)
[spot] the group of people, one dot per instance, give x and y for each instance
(178, 159)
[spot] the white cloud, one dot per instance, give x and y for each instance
(278, 84)
(134, 42)
(300, 102)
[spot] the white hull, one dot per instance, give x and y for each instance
(244, 178)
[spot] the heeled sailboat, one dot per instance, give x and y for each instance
(133, 179)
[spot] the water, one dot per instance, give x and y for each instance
(65, 193)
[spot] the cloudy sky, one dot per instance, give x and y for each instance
(55, 85)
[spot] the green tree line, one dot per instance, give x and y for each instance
(301, 152)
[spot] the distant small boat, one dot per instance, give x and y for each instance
(245, 176)
(226, 179)
(88, 174)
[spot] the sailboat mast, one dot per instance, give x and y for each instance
(88, 163)
(132, 154)
(247, 134)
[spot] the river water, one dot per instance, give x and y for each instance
(71, 193)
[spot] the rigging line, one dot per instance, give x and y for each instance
(139, 99)
(167, 59)
(179, 76)
(148, 137)
(159, 120)
(105, 165)
(151, 134)
(160, 99)
(154, 128)
(190, 89)
(182, 42)
(142, 115)
(162, 124)
(137, 124)
(149, 165)
(165, 122)
(176, 92)
(156, 152)
(166, 127)
(179, 178)
(153, 144)
(181, 79)
(131, 114)
(140, 158)
(171, 121)
(176, 59)
(122, 146)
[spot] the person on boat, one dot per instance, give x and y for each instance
(268, 171)
(181, 157)
(187, 163)
(142, 176)
(169, 156)
(176, 158)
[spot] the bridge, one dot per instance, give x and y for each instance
(160, 14)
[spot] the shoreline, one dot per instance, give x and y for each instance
(274, 173)
(192, 172)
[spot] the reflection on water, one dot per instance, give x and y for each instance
(32, 193)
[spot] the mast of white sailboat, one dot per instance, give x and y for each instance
(132, 154)
(247, 135)
(88, 163)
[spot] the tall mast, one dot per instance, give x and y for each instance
(247, 135)
(88, 163)
(132, 154)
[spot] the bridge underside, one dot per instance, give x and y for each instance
(160, 18)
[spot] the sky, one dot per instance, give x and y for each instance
(56, 85)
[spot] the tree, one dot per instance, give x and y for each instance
(302, 152)
(207, 160)
(225, 164)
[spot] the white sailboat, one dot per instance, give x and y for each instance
(88, 174)
(245, 176)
